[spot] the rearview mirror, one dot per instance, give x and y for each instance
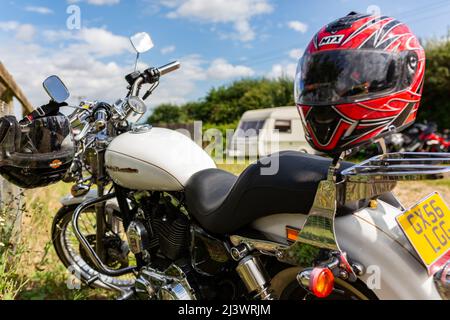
(56, 89)
(141, 42)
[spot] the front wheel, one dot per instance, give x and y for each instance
(73, 256)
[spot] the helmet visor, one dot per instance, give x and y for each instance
(345, 76)
(47, 135)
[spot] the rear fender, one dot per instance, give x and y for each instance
(394, 270)
(372, 238)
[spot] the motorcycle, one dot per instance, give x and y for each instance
(433, 141)
(420, 138)
(151, 217)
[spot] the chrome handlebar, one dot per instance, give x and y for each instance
(152, 75)
(170, 67)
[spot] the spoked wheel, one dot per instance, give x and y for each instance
(285, 285)
(75, 258)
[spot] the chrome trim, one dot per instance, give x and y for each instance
(171, 284)
(142, 128)
(240, 251)
(401, 166)
(317, 237)
(380, 174)
(259, 245)
(137, 237)
(136, 86)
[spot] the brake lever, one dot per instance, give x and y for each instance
(147, 94)
(150, 90)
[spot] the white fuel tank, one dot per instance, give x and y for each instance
(155, 159)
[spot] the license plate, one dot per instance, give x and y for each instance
(427, 226)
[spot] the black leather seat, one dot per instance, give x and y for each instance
(223, 203)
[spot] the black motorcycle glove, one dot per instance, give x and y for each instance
(46, 110)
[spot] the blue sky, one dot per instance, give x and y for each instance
(217, 41)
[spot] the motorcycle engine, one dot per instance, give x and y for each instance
(159, 228)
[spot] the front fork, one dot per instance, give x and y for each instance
(100, 217)
(100, 227)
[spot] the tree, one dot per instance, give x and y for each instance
(436, 93)
(225, 104)
(167, 114)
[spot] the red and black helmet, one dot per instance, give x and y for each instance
(360, 78)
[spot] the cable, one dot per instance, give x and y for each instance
(429, 17)
(421, 8)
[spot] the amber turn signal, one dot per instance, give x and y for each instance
(321, 282)
(292, 233)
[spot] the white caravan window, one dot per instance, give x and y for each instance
(250, 128)
(283, 126)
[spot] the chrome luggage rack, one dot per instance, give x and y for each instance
(380, 174)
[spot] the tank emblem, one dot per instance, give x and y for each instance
(117, 169)
(55, 164)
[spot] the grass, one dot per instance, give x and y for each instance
(441, 183)
(31, 269)
(235, 168)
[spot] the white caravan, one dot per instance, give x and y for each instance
(266, 131)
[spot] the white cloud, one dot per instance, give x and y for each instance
(168, 49)
(298, 26)
(8, 25)
(102, 42)
(283, 70)
(295, 53)
(84, 59)
(86, 71)
(97, 41)
(90, 62)
(220, 69)
(83, 74)
(40, 10)
(237, 12)
(24, 32)
(97, 2)
(57, 35)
